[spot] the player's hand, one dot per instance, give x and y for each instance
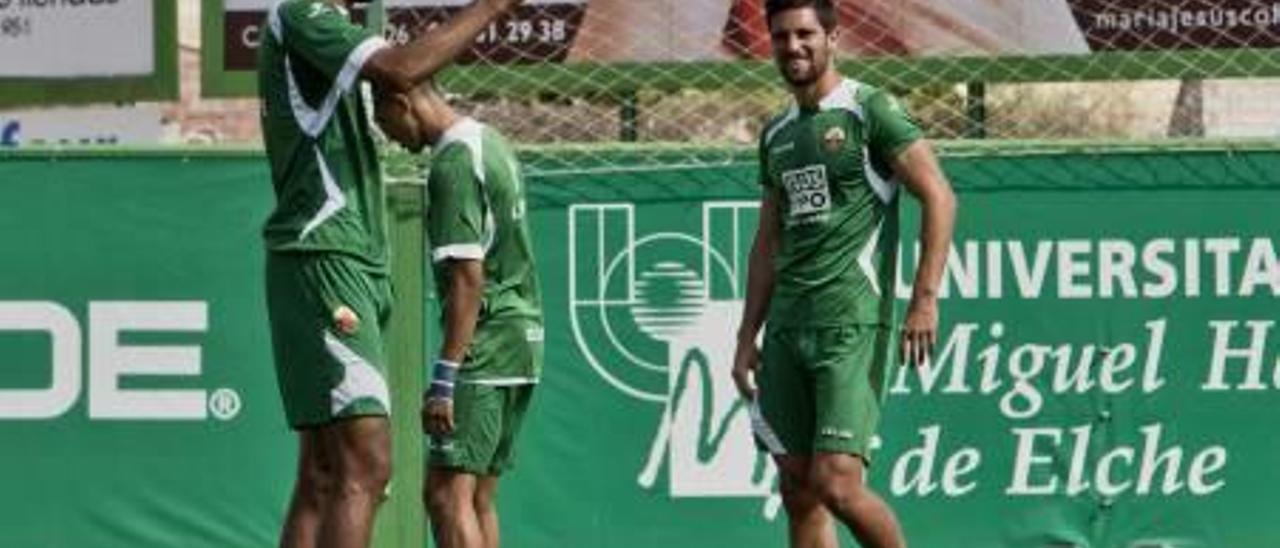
(919, 331)
(746, 360)
(437, 416)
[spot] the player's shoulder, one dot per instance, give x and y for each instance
(464, 138)
(451, 154)
(862, 90)
(876, 99)
(450, 166)
(456, 159)
(496, 145)
(855, 98)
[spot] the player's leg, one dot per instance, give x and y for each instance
(838, 480)
(449, 495)
(311, 492)
(457, 461)
(485, 505)
(783, 426)
(515, 406)
(361, 450)
(329, 363)
(848, 380)
(809, 525)
(301, 374)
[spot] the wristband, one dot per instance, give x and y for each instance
(443, 376)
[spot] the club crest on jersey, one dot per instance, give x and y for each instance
(346, 320)
(833, 139)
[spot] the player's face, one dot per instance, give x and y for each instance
(801, 47)
(394, 116)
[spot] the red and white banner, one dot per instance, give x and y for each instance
(616, 31)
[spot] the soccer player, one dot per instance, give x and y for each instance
(822, 271)
(491, 356)
(327, 281)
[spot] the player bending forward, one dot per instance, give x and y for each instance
(484, 272)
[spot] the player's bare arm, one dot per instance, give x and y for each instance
(401, 68)
(759, 290)
(462, 309)
(918, 169)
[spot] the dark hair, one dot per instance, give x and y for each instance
(825, 9)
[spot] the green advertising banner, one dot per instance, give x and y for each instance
(136, 388)
(138, 398)
(1107, 373)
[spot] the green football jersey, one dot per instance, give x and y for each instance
(324, 165)
(476, 210)
(837, 207)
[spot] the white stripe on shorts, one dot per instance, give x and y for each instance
(359, 379)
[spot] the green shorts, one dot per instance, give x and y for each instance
(487, 420)
(820, 389)
(328, 314)
(491, 398)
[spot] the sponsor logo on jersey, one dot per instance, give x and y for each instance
(808, 193)
(833, 140)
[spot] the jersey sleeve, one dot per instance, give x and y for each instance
(455, 212)
(891, 128)
(326, 39)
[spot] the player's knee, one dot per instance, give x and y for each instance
(437, 503)
(838, 484)
(838, 494)
(798, 499)
(368, 474)
(484, 499)
(442, 501)
(799, 506)
(315, 482)
(373, 486)
(377, 469)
